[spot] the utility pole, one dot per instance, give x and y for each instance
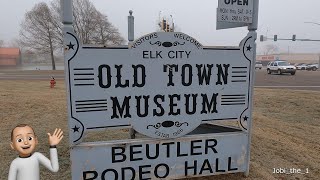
(132, 132)
(319, 52)
(130, 28)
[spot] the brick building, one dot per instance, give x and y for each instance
(10, 57)
(292, 58)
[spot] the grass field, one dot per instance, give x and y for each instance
(286, 129)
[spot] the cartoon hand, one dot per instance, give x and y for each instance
(56, 137)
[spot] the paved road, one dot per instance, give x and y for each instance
(31, 75)
(303, 80)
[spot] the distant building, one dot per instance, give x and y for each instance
(291, 58)
(10, 57)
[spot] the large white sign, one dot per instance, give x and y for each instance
(189, 156)
(235, 11)
(164, 86)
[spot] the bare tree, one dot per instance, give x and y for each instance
(1, 43)
(105, 33)
(90, 25)
(37, 31)
(16, 43)
(42, 28)
(270, 48)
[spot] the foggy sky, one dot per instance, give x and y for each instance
(196, 18)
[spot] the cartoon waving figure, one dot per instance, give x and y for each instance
(26, 166)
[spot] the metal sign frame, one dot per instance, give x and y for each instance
(241, 156)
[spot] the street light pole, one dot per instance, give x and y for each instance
(319, 52)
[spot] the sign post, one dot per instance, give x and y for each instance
(169, 87)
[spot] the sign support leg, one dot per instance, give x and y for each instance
(252, 29)
(132, 132)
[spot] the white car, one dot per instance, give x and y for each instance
(312, 67)
(280, 67)
(258, 65)
(301, 66)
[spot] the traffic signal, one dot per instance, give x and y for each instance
(275, 37)
(294, 37)
(261, 38)
(168, 28)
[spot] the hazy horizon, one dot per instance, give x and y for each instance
(284, 18)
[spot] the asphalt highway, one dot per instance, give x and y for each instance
(302, 80)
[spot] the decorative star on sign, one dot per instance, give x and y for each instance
(75, 129)
(70, 46)
(249, 48)
(245, 118)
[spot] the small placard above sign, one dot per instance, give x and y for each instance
(235, 11)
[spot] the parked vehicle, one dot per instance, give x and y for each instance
(312, 67)
(301, 66)
(280, 67)
(258, 65)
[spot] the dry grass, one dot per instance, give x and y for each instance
(286, 130)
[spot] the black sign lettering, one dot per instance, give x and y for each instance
(155, 99)
(212, 106)
(151, 55)
(211, 146)
(115, 173)
(172, 105)
(122, 158)
(119, 83)
(122, 109)
(229, 165)
(145, 54)
(146, 105)
(179, 154)
(204, 73)
(142, 172)
(217, 166)
(148, 153)
(222, 74)
(125, 175)
(183, 74)
(170, 69)
(101, 75)
(125, 106)
(187, 167)
(133, 151)
(193, 147)
(194, 103)
(206, 167)
(166, 172)
(178, 54)
(238, 2)
(142, 75)
(89, 175)
(168, 144)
